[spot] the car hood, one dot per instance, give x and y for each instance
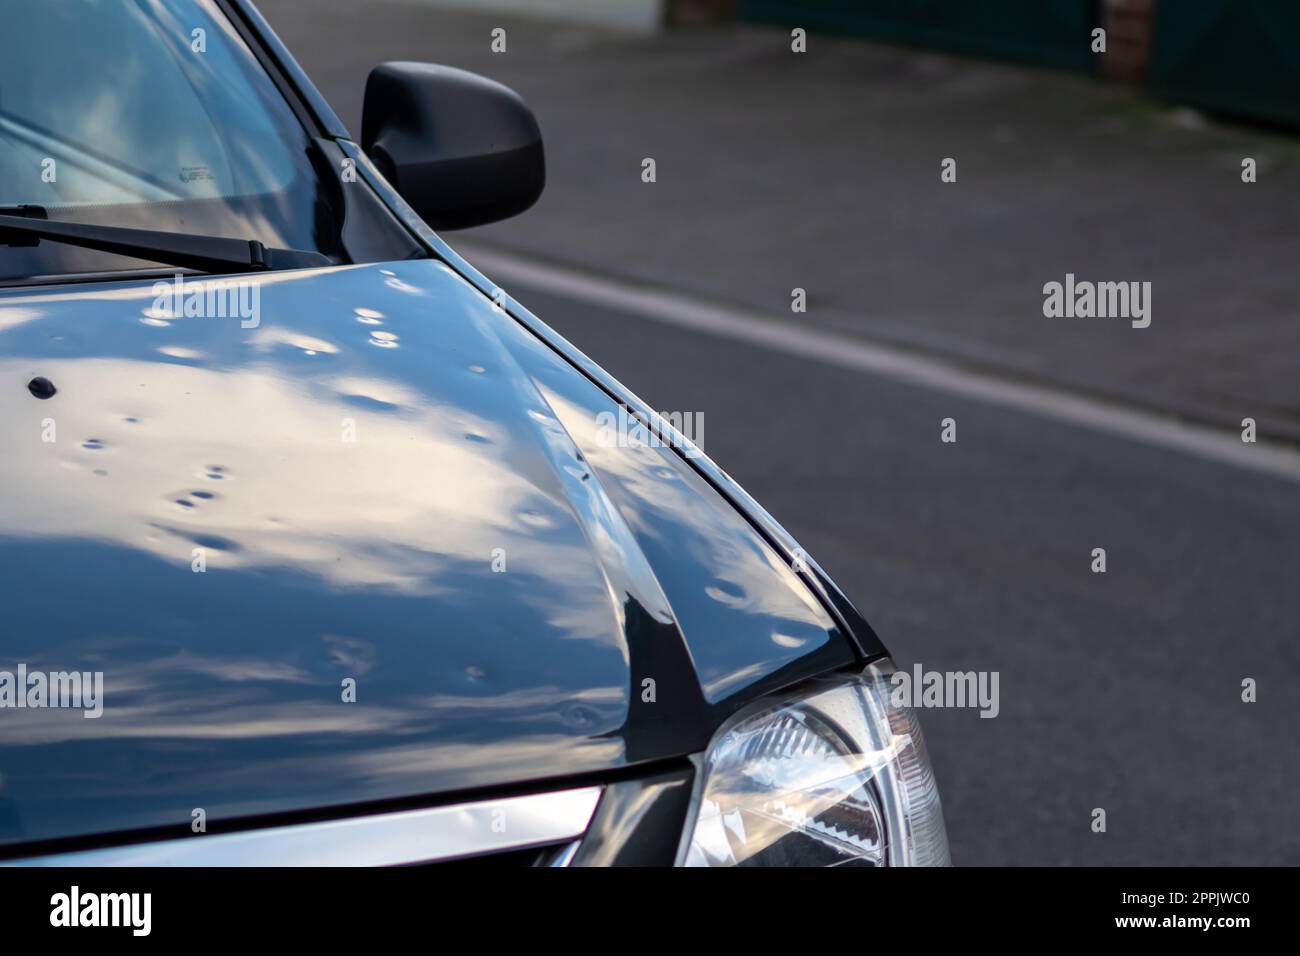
(348, 535)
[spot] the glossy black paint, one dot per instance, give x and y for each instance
(369, 231)
(639, 822)
(850, 621)
(370, 559)
(476, 430)
(303, 94)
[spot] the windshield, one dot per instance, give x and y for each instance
(152, 114)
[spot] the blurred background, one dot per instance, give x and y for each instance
(820, 171)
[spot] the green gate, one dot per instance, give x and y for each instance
(1235, 56)
(1054, 33)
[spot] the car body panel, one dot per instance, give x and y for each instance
(385, 479)
(851, 621)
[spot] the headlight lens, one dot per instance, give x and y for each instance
(838, 777)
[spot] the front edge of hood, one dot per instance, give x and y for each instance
(638, 609)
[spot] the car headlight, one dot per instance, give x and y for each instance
(838, 776)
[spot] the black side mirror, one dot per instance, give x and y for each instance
(463, 150)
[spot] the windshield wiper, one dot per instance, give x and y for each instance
(204, 253)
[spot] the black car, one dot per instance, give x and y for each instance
(318, 548)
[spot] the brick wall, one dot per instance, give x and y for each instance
(1129, 27)
(685, 13)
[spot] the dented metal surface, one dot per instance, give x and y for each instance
(381, 479)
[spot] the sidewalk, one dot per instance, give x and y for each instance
(822, 171)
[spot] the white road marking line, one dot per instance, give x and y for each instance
(846, 351)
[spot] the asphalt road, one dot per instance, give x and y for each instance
(1119, 690)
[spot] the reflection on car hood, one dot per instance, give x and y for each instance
(377, 483)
